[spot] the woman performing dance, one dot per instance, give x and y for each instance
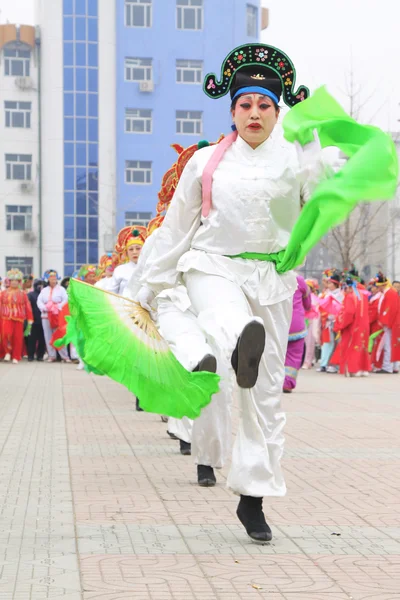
(232, 234)
(229, 222)
(234, 208)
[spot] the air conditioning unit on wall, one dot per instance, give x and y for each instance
(24, 83)
(29, 236)
(27, 187)
(146, 86)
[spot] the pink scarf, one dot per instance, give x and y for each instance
(210, 168)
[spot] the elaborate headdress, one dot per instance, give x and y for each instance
(256, 68)
(86, 269)
(332, 275)
(381, 280)
(327, 274)
(351, 273)
(130, 236)
(313, 284)
(171, 178)
(15, 275)
(348, 281)
(155, 224)
(108, 261)
(47, 274)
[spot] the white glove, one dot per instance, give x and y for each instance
(145, 297)
(311, 152)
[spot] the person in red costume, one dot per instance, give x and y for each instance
(15, 308)
(353, 324)
(375, 327)
(389, 317)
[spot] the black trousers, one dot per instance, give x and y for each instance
(35, 342)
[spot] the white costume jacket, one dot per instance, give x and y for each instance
(256, 198)
(59, 296)
(121, 276)
(105, 283)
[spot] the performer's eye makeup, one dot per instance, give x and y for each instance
(245, 105)
(265, 105)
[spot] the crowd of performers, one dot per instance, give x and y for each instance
(343, 325)
(32, 310)
(217, 276)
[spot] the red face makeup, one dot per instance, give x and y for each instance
(255, 116)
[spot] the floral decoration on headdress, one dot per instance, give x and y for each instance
(381, 280)
(134, 235)
(15, 275)
(110, 260)
(155, 224)
(47, 274)
(313, 284)
(171, 178)
(86, 269)
(267, 59)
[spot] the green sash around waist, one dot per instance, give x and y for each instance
(275, 257)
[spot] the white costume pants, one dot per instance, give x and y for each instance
(224, 308)
(387, 364)
(48, 332)
(186, 341)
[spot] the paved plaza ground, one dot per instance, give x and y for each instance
(98, 504)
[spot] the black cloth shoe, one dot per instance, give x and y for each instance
(30, 358)
(250, 514)
(207, 363)
(247, 354)
(205, 476)
(138, 406)
(40, 359)
(186, 448)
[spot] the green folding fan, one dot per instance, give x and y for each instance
(117, 337)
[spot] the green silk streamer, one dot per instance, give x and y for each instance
(372, 338)
(371, 173)
(105, 342)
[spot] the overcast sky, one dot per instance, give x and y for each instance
(326, 40)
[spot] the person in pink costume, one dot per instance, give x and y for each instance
(312, 316)
(297, 334)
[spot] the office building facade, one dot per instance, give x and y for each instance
(19, 155)
(119, 82)
(164, 49)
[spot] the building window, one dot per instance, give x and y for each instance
(138, 13)
(23, 263)
(189, 14)
(81, 133)
(138, 120)
(138, 171)
(252, 18)
(19, 166)
(17, 62)
(18, 114)
(137, 218)
(189, 71)
(138, 69)
(19, 218)
(189, 122)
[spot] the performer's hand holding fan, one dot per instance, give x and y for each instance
(115, 336)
